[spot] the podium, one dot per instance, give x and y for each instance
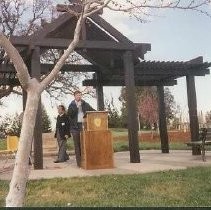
(96, 142)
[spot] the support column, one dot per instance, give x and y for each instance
(192, 105)
(38, 150)
(131, 106)
(24, 98)
(162, 121)
(99, 92)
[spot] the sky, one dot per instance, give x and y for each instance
(174, 36)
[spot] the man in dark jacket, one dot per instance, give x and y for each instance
(76, 111)
(62, 133)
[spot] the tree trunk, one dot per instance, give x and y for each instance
(15, 197)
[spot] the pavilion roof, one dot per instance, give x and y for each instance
(103, 46)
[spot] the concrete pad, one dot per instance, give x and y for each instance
(151, 161)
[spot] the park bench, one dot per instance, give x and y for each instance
(204, 140)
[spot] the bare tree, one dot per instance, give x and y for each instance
(19, 17)
(23, 17)
(66, 82)
(34, 88)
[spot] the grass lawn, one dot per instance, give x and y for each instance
(123, 146)
(172, 188)
(3, 144)
(119, 132)
(120, 145)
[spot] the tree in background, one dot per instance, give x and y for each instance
(23, 17)
(114, 118)
(208, 118)
(171, 108)
(46, 122)
(11, 124)
(147, 106)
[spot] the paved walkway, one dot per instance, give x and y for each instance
(151, 161)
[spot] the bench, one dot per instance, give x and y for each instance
(204, 140)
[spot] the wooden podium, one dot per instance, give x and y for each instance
(96, 142)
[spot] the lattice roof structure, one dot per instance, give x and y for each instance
(102, 45)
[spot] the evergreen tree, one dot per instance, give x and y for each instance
(46, 123)
(114, 118)
(11, 125)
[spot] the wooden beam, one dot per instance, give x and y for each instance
(137, 77)
(46, 68)
(131, 107)
(11, 82)
(99, 92)
(93, 82)
(192, 105)
(142, 49)
(24, 98)
(196, 60)
(110, 29)
(50, 27)
(43, 32)
(172, 71)
(38, 150)
(193, 115)
(162, 120)
(58, 43)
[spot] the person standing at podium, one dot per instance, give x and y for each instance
(76, 112)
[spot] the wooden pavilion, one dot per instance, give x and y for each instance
(115, 61)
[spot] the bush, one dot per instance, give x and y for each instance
(11, 124)
(46, 123)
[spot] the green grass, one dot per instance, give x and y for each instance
(3, 144)
(172, 188)
(70, 144)
(119, 132)
(120, 146)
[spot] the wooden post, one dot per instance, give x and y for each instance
(192, 105)
(162, 121)
(131, 106)
(99, 92)
(24, 98)
(38, 150)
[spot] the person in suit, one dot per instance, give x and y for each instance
(76, 112)
(62, 134)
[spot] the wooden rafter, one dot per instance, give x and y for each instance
(93, 82)
(50, 27)
(58, 43)
(154, 70)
